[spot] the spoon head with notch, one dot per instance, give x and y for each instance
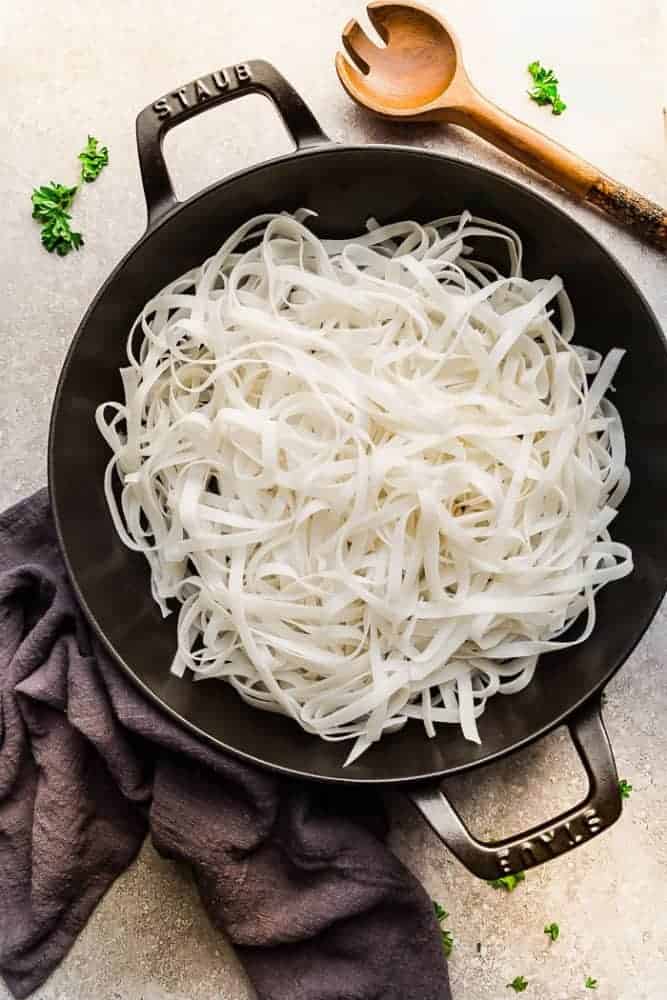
(419, 68)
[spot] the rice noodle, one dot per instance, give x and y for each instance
(372, 472)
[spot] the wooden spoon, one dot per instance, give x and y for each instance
(420, 76)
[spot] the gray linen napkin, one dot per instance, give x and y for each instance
(296, 875)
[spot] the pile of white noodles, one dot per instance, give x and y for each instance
(373, 472)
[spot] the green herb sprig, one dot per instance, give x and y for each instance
(545, 90)
(518, 984)
(624, 788)
(591, 984)
(49, 206)
(508, 882)
(51, 198)
(446, 936)
(93, 159)
(553, 931)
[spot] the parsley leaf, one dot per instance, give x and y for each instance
(447, 938)
(57, 235)
(624, 788)
(508, 882)
(518, 984)
(51, 198)
(545, 90)
(49, 206)
(553, 930)
(591, 984)
(93, 159)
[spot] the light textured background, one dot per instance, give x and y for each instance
(73, 67)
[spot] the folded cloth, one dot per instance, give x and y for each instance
(296, 874)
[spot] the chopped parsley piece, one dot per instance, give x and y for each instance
(93, 159)
(591, 984)
(49, 199)
(553, 930)
(545, 90)
(59, 237)
(624, 788)
(508, 882)
(518, 984)
(49, 206)
(447, 938)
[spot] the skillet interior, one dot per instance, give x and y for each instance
(345, 185)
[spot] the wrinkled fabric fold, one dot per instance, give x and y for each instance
(297, 875)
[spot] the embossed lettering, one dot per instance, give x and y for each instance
(242, 71)
(529, 856)
(503, 860)
(202, 93)
(162, 108)
(183, 97)
(548, 840)
(221, 79)
(592, 821)
(572, 838)
(550, 843)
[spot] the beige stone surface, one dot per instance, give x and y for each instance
(70, 67)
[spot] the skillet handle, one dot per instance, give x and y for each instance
(153, 123)
(600, 808)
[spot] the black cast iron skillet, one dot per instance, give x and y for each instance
(345, 185)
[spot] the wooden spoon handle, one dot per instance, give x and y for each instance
(631, 208)
(560, 165)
